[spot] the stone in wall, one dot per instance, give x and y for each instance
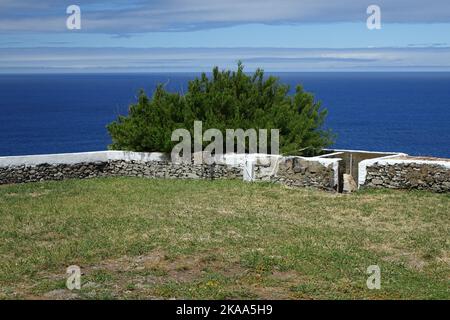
(348, 184)
(422, 176)
(299, 172)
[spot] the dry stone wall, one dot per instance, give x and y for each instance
(323, 173)
(300, 172)
(292, 171)
(132, 168)
(408, 175)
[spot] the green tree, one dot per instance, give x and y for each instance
(225, 100)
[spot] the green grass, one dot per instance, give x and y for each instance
(139, 238)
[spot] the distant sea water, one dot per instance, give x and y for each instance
(406, 112)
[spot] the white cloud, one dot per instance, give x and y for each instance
(168, 15)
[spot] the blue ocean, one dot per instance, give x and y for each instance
(406, 112)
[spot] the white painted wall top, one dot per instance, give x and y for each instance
(72, 158)
(361, 151)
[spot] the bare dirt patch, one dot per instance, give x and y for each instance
(411, 259)
(143, 272)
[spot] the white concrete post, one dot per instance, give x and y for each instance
(249, 170)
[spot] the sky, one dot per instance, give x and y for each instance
(195, 35)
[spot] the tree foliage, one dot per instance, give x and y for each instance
(225, 100)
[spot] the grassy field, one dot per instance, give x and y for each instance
(137, 238)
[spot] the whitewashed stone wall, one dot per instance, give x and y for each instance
(318, 172)
(405, 174)
(312, 172)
